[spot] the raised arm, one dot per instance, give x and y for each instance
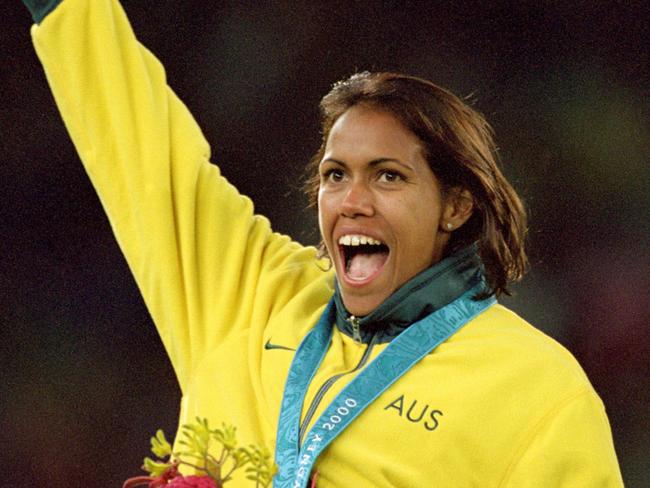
(192, 242)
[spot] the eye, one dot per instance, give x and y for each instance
(390, 176)
(332, 175)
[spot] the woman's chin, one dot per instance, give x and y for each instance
(363, 294)
(360, 301)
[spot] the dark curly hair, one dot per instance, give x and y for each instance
(459, 147)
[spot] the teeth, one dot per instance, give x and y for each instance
(357, 240)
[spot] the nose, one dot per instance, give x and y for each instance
(358, 201)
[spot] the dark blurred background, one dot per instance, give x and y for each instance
(85, 381)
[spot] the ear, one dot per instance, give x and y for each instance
(458, 208)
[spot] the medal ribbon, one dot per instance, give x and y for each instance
(295, 462)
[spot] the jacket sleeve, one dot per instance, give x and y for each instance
(571, 446)
(192, 242)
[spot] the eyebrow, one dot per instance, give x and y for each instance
(373, 163)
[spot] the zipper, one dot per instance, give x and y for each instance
(356, 328)
(328, 384)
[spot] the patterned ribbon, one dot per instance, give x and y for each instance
(295, 462)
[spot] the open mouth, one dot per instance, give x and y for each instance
(363, 256)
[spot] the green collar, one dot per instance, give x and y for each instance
(422, 295)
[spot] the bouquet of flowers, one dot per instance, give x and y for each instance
(197, 443)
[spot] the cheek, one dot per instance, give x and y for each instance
(420, 224)
(324, 214)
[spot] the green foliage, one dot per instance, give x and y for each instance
(262, 468)
(159, 445)
(155, 468)
(199, 448)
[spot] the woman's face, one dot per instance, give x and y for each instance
(379, 207)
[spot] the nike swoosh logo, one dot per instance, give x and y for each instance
(269, 346)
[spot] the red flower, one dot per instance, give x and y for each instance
(192, 482)
(153, 481)
(314, 478)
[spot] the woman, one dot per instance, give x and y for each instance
(394, 368)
